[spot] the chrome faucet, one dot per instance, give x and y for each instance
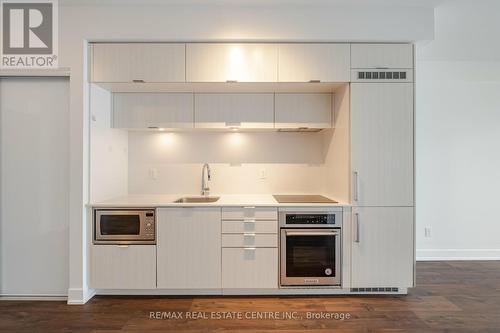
(205, 190)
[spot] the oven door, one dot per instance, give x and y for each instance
(124, 226)
(310, 257)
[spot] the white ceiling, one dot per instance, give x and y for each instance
(399, 3)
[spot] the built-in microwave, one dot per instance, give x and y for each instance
(124, 226)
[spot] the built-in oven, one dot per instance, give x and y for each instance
(125, 226)
(310, 246)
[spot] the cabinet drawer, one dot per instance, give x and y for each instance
(249, 240)
(243, 213)
(249, 268)
(262, 227)
(123, 267)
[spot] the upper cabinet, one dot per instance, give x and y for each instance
(314, 62)
(138, 62)
(313, 111)
(381, 56)
(234, 111)
(146, 110)
(231, 62)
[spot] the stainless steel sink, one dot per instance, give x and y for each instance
(196, 199)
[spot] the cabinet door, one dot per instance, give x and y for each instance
(126, 62)
(234, 110)
(143, 110)
(250, 268)
(314, 62)
(189, 248)
(303, 110)
(383, 247)
(381, 56)
(382, 144)
(231, 62)
(123, 267)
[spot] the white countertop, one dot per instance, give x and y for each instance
(167, 200)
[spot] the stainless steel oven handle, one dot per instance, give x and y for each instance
(311, 233)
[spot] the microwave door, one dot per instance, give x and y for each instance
(118, 225)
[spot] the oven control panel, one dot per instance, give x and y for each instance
(311, 219)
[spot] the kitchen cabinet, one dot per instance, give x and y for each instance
(249, 213)
(250, 240)
(303, 110)
(221, 62)
(314, 62)
(381, 56)
(234, 110)
(123, 267)
(382, 144)
(129, 62)
(383, 247)
(251, 226)
(189, 248)
(143, 110)
(250, 268)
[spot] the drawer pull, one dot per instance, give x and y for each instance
(249, 221)
(249, 234)
(249, 207)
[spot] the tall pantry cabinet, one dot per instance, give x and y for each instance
(382, 156)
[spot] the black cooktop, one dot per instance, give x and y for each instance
(303, 199)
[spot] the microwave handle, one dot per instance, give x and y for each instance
(311, 233)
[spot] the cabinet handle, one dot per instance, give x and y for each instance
(248, 234)
(355, 189)
(249, 207)
(314, 81)
(122, 246)
(231, 81)
(249, 221)
(356, 220)
(138, 81)
(249, 248)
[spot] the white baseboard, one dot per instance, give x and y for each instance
(457, 254)
(78, 296)
(8, 297)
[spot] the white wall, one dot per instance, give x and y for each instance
(83, 20)
(458, 133)
(108, 148)
(292, 162)
(34, 188)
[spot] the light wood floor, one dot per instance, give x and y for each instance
(450, 297)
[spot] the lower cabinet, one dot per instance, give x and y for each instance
(189, 248)
(250, 268)
(123, 267)
(383, 247)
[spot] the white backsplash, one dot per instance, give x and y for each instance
(246, 162)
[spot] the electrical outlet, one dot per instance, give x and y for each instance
(153, 173)
(427, 232)
(262, 174)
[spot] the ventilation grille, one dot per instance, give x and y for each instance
(382, 75)
(375, 290)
